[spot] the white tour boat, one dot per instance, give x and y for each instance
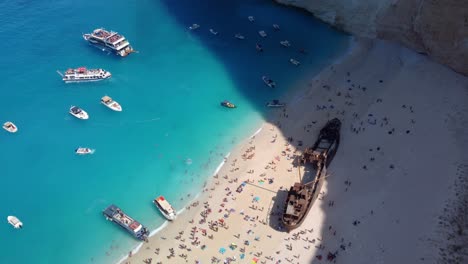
(84, 151)
(262, 33)
(10, 127)
(285, 43)
(239, 36)
(78, 112)
(213, 31)
(15, 222)
(268, 81)
(294, 62)
(165, 208)
(109, 41)
(84, 75)
(194, 26)
(251, 18)
(111, 104)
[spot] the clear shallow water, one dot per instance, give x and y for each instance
(170, 93)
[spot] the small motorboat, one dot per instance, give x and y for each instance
(294, 62)
(194, 26)
(84, 151)
(165, 208)
(239, 36)
(15, 222)
(285, 43)
(10, 127)
(78, 112)
(259, 47)
(213, 31)
(268, 81)
(111, 104)
(262, 33)
(276, 27)
(228, 104)
(251, 18)
(275, 103)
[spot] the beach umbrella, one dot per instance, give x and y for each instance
(254, 260)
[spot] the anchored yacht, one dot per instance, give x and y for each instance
(84, 151)
(78, 112)
(110, 41)
(285, 43)
(83, 74)
(116, 215)
(194, 26)
(262, 33)
(294, 62)
(10, 127)
(165, 208)
(111, 104)
(15, 222)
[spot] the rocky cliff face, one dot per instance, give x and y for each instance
(438, 28)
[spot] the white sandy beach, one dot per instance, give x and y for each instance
(404, 142)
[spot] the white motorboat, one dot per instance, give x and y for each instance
(84, 151)
(251, 18)
(262, 33)
(239, 36)
(285, 43)
(294, 62)
(276, 27)
(268, 81)
(111, 104)
(15, 222)
(10, 127)
(194, 26)
(213, 31)
(78, 112)
(165, 208)
(275, 103)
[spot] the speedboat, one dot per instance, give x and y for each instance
(276, 27)
(194, 26)
(294, 62)
(262, 33)
(285, 43)
(213, 31)
(275, 103)
(239, 36)
(259, 47)
(15, 222)
(228, 104)
(268, 81)
(111, 104)
(78, 112)
(10, 127)
(84, 151)
(251, 18)
(165, 208)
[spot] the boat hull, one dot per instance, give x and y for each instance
(122, 53)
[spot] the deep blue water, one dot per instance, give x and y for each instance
(170, 92)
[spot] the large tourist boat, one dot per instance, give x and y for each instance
(10, 127)
(111, 104)
(165, 208)
(116, 215)
(110, 41)
(15, 222)
(301, 196)
(83, 74)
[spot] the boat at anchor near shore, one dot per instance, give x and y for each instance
(82, 74)
(78, 112)
(165, 208)
(84, 151)
(111, 104)
(116, 215)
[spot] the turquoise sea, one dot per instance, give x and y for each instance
(170, 92)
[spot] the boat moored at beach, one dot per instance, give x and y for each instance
(10, 127)
(116, 215)
(239, 36)
(15, 222)
(285, 43)
(228, 104)
(84, 151)
(78, 112)
(111, 104)
(301, 196)
(294, 62)
(262, 33)
(268, 81)
(110, 41)
(165, 208)
(194, 26)
(83, 74)
(275, 103)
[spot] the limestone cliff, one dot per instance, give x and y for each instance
(438, 28)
